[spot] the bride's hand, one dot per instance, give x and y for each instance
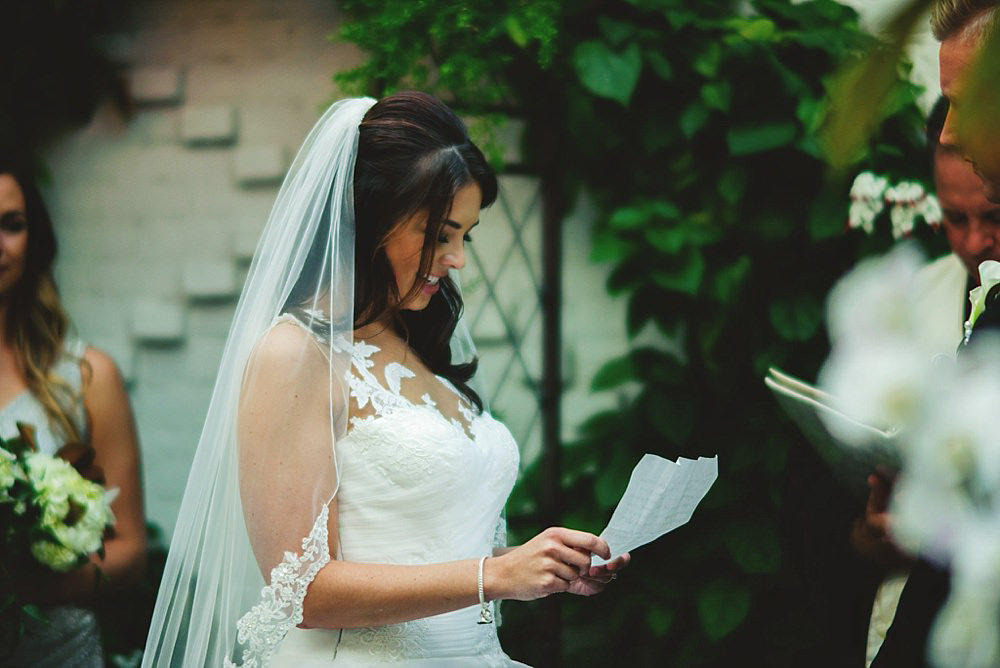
(599, 576)
(553, 561)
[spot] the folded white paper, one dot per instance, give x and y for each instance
(814, 411)
(661, 496)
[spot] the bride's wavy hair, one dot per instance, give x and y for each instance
(414, 155)
(36, 322)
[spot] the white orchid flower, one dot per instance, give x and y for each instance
(966, 633)
(905, 192)
(876, 300)
(931, 211)
(867, 201)
(902, 216)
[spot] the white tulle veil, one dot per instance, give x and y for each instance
(211, 578)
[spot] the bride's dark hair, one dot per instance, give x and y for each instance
(414, 155)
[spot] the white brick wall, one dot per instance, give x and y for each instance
(154, 229)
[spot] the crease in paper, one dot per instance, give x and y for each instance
(661, 496)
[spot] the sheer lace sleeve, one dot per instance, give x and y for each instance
(288, 478)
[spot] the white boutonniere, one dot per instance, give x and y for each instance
(989, 276)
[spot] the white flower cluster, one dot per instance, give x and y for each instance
(10, 473)
(907, 199)
(879, 350)
(75, 511)
(946, 502)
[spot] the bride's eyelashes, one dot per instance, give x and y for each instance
(444, 238)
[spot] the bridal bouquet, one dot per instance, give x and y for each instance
(52, 518)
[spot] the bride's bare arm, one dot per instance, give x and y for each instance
(349, 595)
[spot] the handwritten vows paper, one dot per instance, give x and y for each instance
(661, 496)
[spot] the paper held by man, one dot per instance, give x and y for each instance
(866, 447)
(661, 496)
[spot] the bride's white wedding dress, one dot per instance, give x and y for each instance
(421, 481)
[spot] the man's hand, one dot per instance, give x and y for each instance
(870, 534)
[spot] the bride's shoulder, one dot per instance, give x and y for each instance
(286, 342)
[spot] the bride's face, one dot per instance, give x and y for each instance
(406, 243)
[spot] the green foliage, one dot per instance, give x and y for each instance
(694, 133)
(458, 50)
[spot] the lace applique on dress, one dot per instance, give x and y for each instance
(464, 407)
(392, 642)
(383, 399)
(279, 609)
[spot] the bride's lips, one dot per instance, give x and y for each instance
(431, 284)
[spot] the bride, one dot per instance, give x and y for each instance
(345, 503)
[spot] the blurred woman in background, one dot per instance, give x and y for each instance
(68, 392)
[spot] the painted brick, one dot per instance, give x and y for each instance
(211, 279)
(262, 165)
(208, 125)
(157, 85)
(158, 321)
(245, 240)
(210, 319)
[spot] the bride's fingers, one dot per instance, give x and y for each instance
(611, 567)
(581, 540)
(564, 571)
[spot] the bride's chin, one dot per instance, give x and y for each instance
(418, 303)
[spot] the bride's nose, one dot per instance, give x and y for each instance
(454, 259)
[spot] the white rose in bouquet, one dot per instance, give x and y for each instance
(74, 511)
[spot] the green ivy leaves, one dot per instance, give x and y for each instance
(722, 606)
(606, 73)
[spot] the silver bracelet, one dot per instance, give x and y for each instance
(485, 613)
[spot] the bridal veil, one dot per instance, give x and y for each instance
(253, 527)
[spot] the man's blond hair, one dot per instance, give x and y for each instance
(976, 17)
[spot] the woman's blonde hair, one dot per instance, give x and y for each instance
(950, 16)
(36, 323)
